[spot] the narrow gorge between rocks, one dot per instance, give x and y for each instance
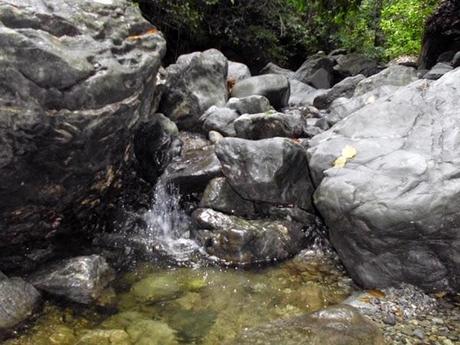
(210, 202)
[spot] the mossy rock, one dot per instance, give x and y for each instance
(157, 288)
(150, 332)
(105, 337)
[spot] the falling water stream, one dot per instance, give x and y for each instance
(168, 225)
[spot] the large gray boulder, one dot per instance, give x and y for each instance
(316, 71)
(237, 71)
(194, 83)
(274, 87)
(81, 279)
(270, 170)
(337, 325)
(391, 200)
(395, 75)
(270, 125)
(77, 77)
(345, 88)
(18, 300)
(239, 241)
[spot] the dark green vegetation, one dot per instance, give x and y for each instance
(285, 31)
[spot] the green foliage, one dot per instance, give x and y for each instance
(285, 31)
(402, 23)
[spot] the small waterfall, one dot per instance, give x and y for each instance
(168, 226)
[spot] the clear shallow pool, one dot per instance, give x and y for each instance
(164, 306)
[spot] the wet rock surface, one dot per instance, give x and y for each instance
(67, 119)
(81, 279)
(238, 241)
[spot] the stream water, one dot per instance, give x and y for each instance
(155, 304)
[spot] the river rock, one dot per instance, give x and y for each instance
(77, 78)
(456, 60)
(220, 196)
(390, 203)
(269, 125)
(342, 107)
(316, 71)
(220, 119)
(239, 241)
(195, 82)
(354, 64)
(81, 279)
(272, 68)
(337, 325)
(438, 71)
(249, 105)
(270, 170)
(274, 87)
(237, 71)
(18, 300)
(343, 89)
(104, 337)
(193, 169)
(395, 75)
(302, 94)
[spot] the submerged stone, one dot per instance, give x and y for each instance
(105, 337)
(156, 288)
(339, 325)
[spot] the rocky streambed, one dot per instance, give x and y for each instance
(198, 204)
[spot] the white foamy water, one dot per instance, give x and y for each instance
(168, 226)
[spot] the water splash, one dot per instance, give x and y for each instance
(168, 226)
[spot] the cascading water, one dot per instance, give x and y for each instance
(168, 226)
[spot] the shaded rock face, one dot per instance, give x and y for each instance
(194, 83)
(270, 170)
(354, 64)
(18, 300)
(274, 87)
(438, 71)
(81, 279)
(272, 68)
(72, 91)
(302, 94)
(219, 119)
(239, 241)
(338, 325)
(220, 196)
(392, 208)
(317, 71)
(442, 33)
(345, 88)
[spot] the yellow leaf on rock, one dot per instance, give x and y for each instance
(349, 152)
(340, 162)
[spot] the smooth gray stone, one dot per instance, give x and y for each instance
(392, 209)
(274, 87)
